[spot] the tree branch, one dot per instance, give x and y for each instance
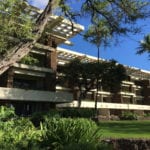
(22, 49)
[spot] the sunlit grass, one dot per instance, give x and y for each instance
(125, 129)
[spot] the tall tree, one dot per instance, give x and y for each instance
(144, 45)
(97, 34)
(85, 75)
(24, 46)
(118, 16)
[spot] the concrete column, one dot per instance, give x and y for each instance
(50, 79)
(101, 98)
(104, 112)
(52, 60)
(50, 82)
(10, 78)
(133, 100)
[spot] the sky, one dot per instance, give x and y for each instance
(124, 52)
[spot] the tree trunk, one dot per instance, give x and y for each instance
(23, 48)
(97, 82)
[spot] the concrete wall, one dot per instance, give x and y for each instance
(34, 95)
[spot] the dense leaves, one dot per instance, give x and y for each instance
(53, 133)
(15, 22)
(62, 132)
(86, 74)
(144, 45)
(109, 18)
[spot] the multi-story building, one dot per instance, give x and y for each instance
(33, 87)
(30, 86)
(134, 94)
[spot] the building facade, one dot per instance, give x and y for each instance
(32, 84)
(134, 94)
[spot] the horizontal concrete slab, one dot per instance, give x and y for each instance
(89, 104)
(34, 95)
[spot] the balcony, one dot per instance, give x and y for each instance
(34, 95)
(89, 104)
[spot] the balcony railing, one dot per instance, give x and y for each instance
(89, 104)
(34, 95)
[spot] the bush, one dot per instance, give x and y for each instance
(128, 116)
(7, 113)
(52, 132)
(61, 132)
(39, 117)
(17, 132)
(78, 113)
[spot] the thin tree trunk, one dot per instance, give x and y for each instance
(23, 48)
(97, 86)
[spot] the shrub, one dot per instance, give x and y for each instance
(60, 132)
(7, 113)
(128, 116)
(78, 113)
(19, 134)
(39, 117)
(16, 132)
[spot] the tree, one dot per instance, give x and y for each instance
(117, 16)
(85, 75)
(97, 34)
(144, 45)
(24, 46)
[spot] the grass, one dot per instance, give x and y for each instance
(125, 129)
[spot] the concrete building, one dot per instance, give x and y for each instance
(134, 94)
(31, 87)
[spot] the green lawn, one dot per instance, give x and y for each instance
(125, 129)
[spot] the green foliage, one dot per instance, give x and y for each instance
(6, 113)
(109, 73)
(78, 113)
(53, 133)
(16, 132)
(147, 115)
(144, 45)
(39, 117)
(127, 115)
(109, 18)
(61, 132)
(29, 60)
(15, 22)
(19, 134)
(113, 76)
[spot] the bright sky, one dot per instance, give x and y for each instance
(124, 52)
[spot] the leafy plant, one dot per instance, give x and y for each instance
(78, 113)
(15, 22)
(60, 132)
(6, 113)
(29, 60)
(16, 132)
(128, 116)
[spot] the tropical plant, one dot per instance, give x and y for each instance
(7, 113)
(144, 45)
(61, 132)
(16, 132)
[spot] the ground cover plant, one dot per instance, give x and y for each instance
(52, 133)
(125, 129)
